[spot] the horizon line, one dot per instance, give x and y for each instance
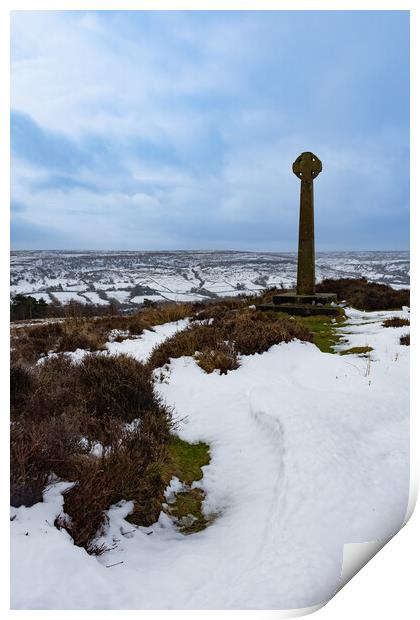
(201, 250)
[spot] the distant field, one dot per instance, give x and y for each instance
(131, 277)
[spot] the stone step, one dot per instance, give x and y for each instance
(295, 298)
(301, 309)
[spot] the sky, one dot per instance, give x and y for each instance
(171, 130)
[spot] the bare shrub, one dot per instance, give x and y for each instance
(219, 309)
(80, 334)
(28, 469)
(90, 333)
(405, 339)
(395, 321)
(166, 313)
(136, 323)
(54, 390)
(85, 504)
(116, 386)
(21, 386)
(29, 343)
(62, 411)
(37, 450)
(240, 331)
(186, 342)
(132, 469)
(224, 358)
(255, 332)
(364, 295)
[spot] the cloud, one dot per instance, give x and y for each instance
(42, 147)
(170, 129)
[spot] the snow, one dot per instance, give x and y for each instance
(141, 347)
(73, 285)
(139, 299)
(121, 296)
(182, 297)
(50, 553)
(309, 451)
(95, 299)
(65, 297)
(174, 275)
(75, 356)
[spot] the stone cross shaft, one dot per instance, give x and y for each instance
(306, 167)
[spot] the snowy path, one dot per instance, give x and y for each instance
(309, 451)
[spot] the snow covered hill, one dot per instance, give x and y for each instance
(131, 277)
(309, 451)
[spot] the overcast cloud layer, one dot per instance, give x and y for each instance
(170, 130)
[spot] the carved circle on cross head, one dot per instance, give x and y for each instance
(307, 166)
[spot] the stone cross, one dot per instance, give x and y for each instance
(306, 167)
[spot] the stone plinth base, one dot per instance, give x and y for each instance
(301, 309)
(294, 298)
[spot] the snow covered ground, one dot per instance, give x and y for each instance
(141, 347)
(309, 451)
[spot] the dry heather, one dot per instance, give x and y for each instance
(405, 339)
(30, 342)
(223, 358)
(266, 296)
(62, 412)
(219, 342)
(395, 321)
(255, 332)
(364, 295)
(219, 308)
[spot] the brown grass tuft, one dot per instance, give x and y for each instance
(29, 343)
(60, 410)
(219, 308)
(37, 450)
(231, 333)
(167, 313)
(255, 332)
(131, 469)
(224, 358)
(79, 334)
(395, 321)
(405, 340)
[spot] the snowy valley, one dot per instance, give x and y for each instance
(129, 278)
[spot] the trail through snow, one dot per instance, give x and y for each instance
(309, 451)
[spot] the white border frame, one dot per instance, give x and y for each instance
(387, 587)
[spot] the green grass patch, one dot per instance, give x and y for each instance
(187, 459)
(323, 330)
(357, 351)
(187, 512)
(186, 462)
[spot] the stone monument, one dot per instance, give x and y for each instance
(306, 167)
(305, 300)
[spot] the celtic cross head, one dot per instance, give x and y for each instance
(307, 166)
